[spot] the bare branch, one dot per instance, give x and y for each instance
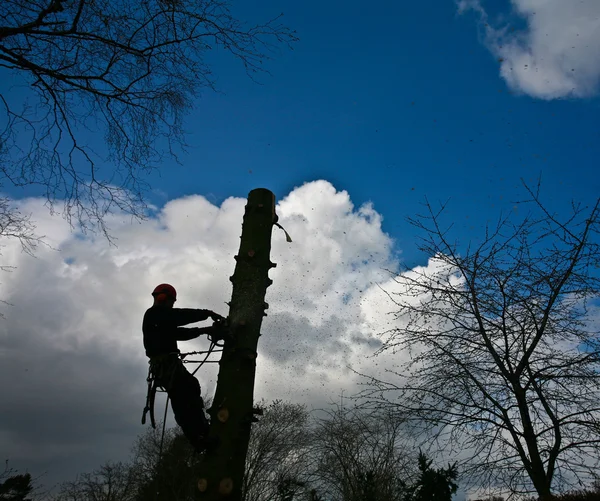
(128, 70)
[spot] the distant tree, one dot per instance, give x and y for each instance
(368, 488)
(15, 487)
(276, 462)
(110, 482)
(20, 487)
(432, 484)
(146, 452)
(504, 348)
(288, 489)
(358, 455)
(173, 476)
(125, 72)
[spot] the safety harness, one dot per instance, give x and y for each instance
(161, 373)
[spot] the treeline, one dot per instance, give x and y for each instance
(344, 454)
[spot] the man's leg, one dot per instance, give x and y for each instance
(188, 408)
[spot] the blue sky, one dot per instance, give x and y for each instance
(392, 102)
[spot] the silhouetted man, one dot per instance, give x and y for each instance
(162, 328)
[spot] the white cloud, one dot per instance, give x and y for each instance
(71, 345)
(557, 54)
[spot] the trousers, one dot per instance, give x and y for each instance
(186, 401)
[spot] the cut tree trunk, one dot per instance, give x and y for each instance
(222, 469)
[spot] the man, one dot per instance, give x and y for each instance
(162, 328)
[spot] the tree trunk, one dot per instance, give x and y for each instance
(537, 472)
(222, 470)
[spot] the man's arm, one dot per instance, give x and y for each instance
(187, 333)
(184, 316)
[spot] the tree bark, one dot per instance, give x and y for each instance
(222, 470)
(537, 471)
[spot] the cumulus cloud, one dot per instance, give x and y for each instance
(557, 54)
(71, 354)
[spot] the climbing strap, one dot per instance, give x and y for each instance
(161, 372)
(150, 396)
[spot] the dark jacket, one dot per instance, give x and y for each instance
(162, 328)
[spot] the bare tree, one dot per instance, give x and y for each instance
(504, 348)
(129, 70)
(146, 452)
(160, 469)
(277, 452)
(359, 455)
(167, 476)
(110, 482)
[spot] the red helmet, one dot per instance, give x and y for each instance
(167, 289)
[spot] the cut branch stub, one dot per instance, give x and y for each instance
(225, 486)
(223, 414)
